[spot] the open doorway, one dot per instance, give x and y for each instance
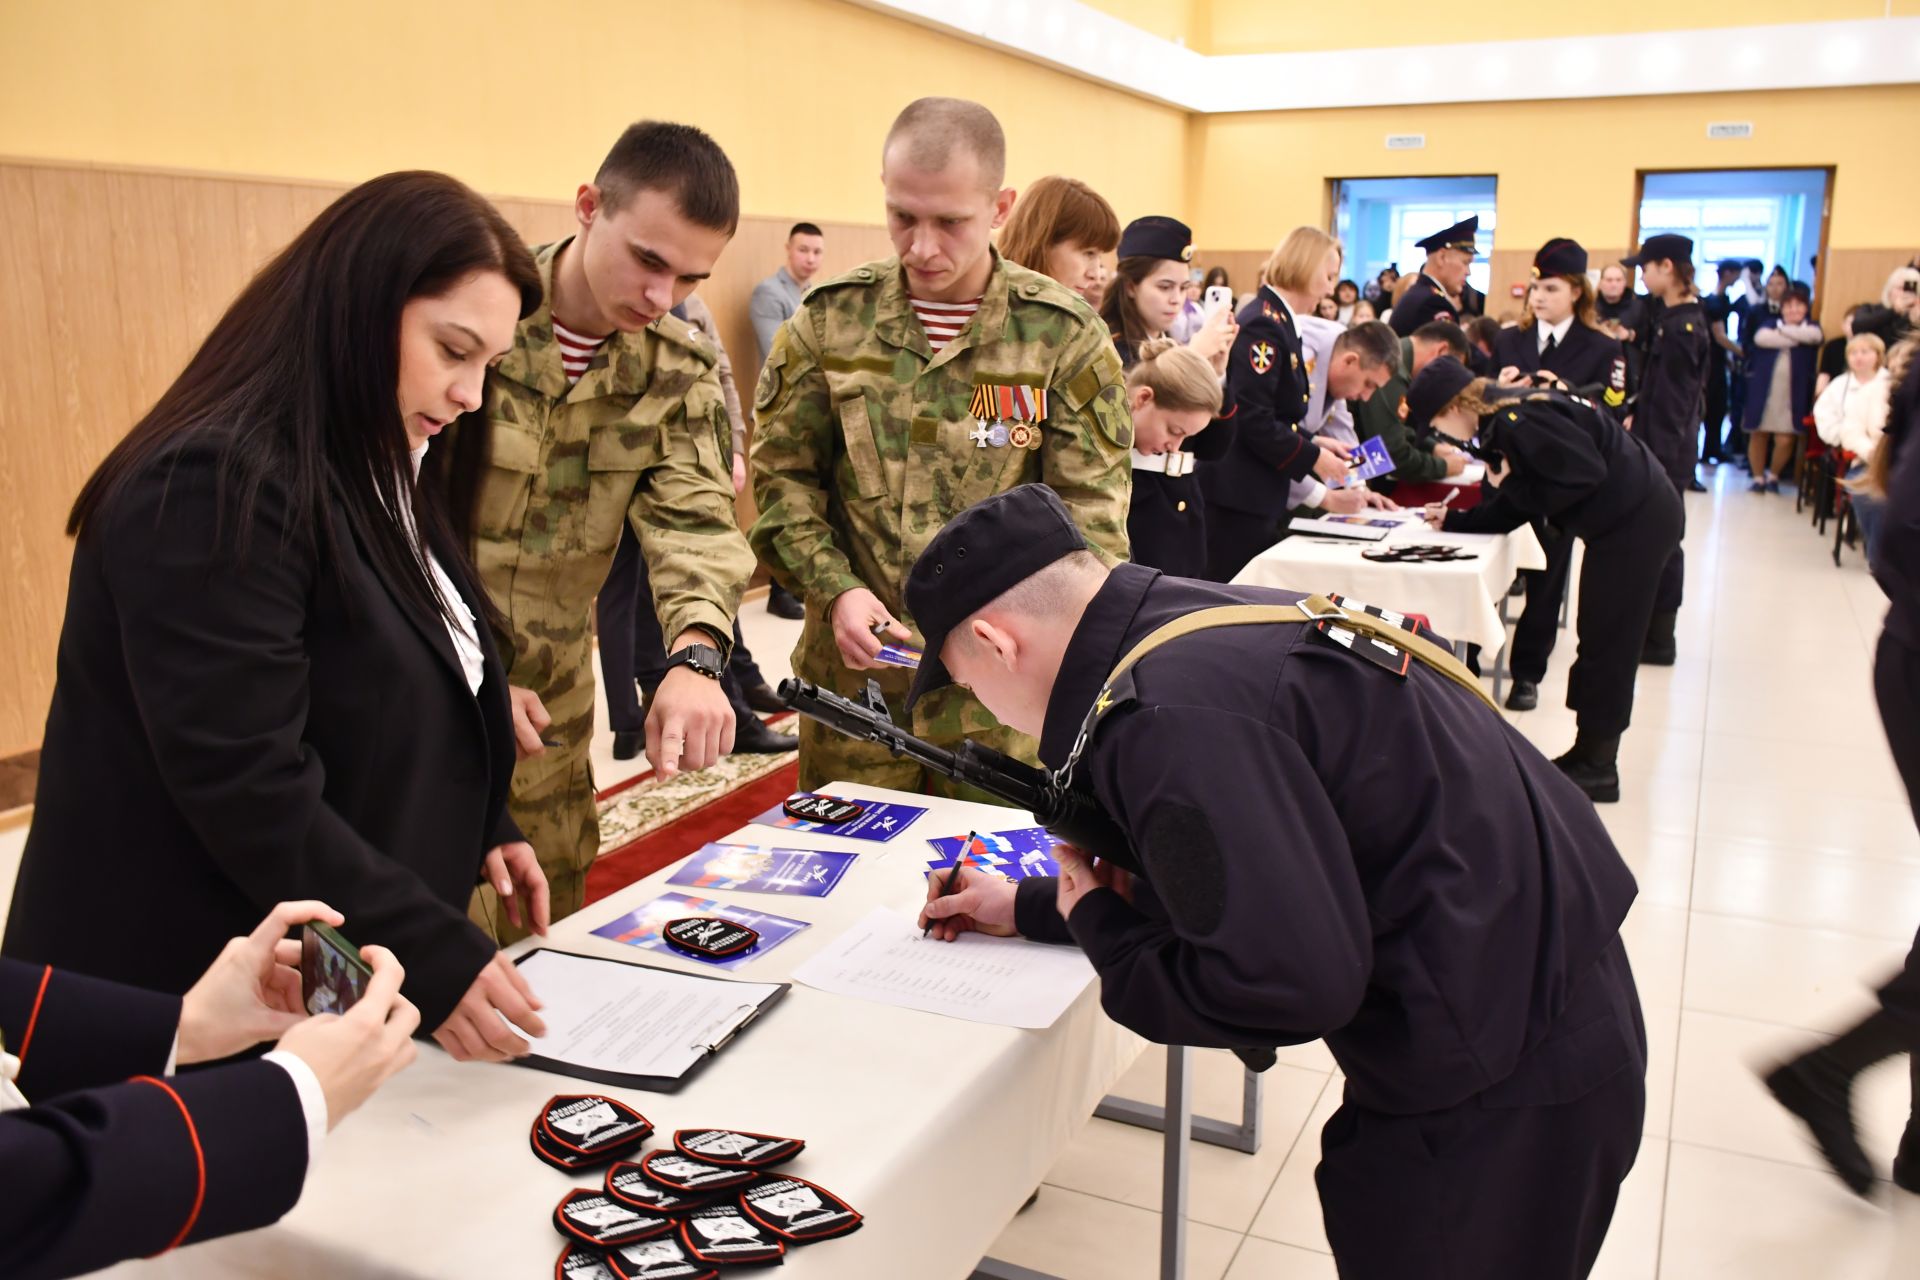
(1380, 219)
(1775, 216)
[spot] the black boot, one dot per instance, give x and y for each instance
(627, 745)
(1592, 765)
(1524, 696)
(761, 697)
(1906, 1162)
(1659, 649)
(1817, 1087)
(782, 603)
(752, 737)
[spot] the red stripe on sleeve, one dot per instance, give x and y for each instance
(199, 1159)
(33, 1018)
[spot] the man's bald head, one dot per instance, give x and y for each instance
(930, 130)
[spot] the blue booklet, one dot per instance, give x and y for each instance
(642, 927)
(877, 820)
(756, 868)
(1370, 459)
(1027, 851)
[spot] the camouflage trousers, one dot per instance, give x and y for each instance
(945, 718)
(553, 796)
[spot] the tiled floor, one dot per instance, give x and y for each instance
(1779, 870)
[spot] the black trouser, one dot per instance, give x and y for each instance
(1620, 581)
(1676, 459)
(1714, 442)
(1517, 1183)
(1539, 626)
(1234, 538)
(1896, 686)
(633, 653)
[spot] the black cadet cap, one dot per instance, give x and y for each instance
(981, 553)
(1458, 236)
(1665, 246)
(1560, 257)
(1156, 237)
(1432, 388)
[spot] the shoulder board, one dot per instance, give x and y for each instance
(1030, 286)
(673, 330)
(865, 276)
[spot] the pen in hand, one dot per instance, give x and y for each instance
(953, 877)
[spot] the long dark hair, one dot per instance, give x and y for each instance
(298, 381)
(1121, 309)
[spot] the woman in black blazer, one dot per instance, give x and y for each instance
(275, 676)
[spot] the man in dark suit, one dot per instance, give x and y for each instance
(1443, 278)
(117, 1157)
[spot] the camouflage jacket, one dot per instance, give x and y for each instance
(642, 437)
(866, 442)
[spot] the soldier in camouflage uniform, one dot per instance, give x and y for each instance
(641, 437)
(868, 440)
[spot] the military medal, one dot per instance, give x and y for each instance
(1007, 415)
(799, 1212)
(831, 810)
(677, 1172)
(708, 936)
(595, 1218)
(725, 1235)
(735, 1149)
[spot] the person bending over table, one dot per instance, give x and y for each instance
(1318, 844)
(275, 678)
(116, 1157)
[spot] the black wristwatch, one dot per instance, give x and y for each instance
(704, 658)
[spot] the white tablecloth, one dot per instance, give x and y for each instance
(1461, 599)
(937, 1130)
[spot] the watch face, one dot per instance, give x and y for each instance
(702, 658)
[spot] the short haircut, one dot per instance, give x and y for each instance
(1873, 341)
(933, 127)
(1041, 594)
(680, 161)
(1373, 342)
(1484, 329)
(805, 229)
(1293, 263)
(1754, 264)
(1444, 333)
(1056, 210)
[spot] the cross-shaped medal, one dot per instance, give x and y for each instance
(980, 434)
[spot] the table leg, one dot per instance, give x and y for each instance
(1243, 1136)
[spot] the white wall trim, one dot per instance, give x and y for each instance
(1076, 38)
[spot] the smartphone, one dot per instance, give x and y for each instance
(333, 977)
(1217, 297)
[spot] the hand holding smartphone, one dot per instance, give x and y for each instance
(333, 977)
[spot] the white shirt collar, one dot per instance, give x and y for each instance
(415, 455)
(1557, 331)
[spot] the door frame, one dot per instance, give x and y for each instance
(1826, 209)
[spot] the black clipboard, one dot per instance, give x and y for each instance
(748, 1012)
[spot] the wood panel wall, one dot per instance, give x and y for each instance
(109, 279)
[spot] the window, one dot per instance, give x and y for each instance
(1765, 227)
(1415, 221)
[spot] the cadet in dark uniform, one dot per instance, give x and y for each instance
(1818, 1085)
(1556, 457)
(1321, 841)
(109, 1156)
(1174, 395)
(1436, 294)
(1267, 396)
(1668, 404)
(1563, 348)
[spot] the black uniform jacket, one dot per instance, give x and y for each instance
(1896, 565)
(1266, 398)
(1591, 364)
(1424, 300)
(1166, 522)
(104, 1167)
(1569, 462)
(1673, 390)
(231, 731)
(1332, 850)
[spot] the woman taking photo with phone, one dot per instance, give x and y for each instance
(1149, 290)
(276, 677)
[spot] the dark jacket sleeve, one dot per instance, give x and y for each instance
(220, 677)
(97, 1172)
(1254, 929)
(1896, 562)
(1266, 404)
(1379, 415)
(1551, 466)
(1671, 396)
(1496, 513)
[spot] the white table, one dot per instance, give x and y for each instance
(905, 1114)
(1461, 598)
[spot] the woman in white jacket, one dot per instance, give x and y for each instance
(1851, 414)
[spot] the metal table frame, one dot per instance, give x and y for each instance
(1175, 1162)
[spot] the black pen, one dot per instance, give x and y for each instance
(952, 876)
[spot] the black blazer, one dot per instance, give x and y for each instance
(228, 732)
(1591, 364)
(1422, 302)
(1266, 397)
(103, 1165)
(1570, 462)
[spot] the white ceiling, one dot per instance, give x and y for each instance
(1077, 38)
